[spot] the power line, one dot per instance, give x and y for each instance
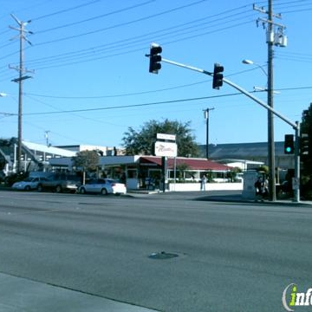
(160, 102)
(87, 55)
(95, 17)
(150, 91)
(65, 10)
(133, 105)
(116, 95)
(123, 24)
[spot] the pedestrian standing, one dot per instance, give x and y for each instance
(259, 188)
(203, 183)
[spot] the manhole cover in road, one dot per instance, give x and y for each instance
(162, 255)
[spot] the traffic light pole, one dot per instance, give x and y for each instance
(296, 180)
(294, 125)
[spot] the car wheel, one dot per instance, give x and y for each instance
(39, 188)
(104, 191)
(58, 189)
(82, 190)
(27, 188)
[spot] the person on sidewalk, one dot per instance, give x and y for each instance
(260, 189)
(203, 183)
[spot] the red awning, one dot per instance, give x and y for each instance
(191, 163)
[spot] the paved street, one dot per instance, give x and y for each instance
(89, 252)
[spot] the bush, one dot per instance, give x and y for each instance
(11, 179)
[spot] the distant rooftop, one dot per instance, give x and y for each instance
(241, 150)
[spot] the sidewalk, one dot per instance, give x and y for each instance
(23, 295)
(238, 198)
(221, 196)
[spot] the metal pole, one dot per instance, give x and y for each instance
(20, 100)
(206, 112)
(207, 134)
(296, 182)
(271, 142)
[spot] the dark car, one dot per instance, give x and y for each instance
(60, 183)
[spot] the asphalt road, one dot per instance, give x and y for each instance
(228, 256)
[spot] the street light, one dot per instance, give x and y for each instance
(259, 89)
(271, 142)
(250, 62)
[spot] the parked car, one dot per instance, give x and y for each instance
(28, 184)
(103, 186)
(60, 183)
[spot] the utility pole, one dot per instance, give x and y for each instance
(21, 70)
(271, 141)
(277, 39)
(206, 115)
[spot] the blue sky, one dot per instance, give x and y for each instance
(91, 79)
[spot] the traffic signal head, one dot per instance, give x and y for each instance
(155, 59)
(217, 81)
(289, 147)
(304, 144)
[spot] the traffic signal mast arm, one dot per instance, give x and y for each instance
(235, 86)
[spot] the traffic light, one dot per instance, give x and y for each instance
(155, 59)
(304, 144)
(217, 81)
(289, 147)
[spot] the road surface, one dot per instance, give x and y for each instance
(225, 256)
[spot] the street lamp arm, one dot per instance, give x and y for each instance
(232, 84)
(250, 62)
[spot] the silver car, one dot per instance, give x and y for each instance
(28, 184)
(103, 186)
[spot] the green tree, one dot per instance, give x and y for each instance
(87, 161)
(142, 142)
(263, 169)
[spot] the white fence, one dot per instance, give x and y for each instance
(182, 187)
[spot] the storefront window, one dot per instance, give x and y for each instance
(132, 173)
